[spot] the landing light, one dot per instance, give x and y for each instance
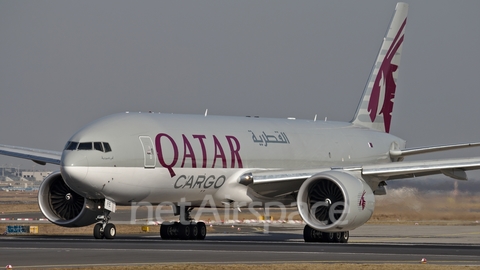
(246, 179)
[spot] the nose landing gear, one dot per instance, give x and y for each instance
(104, 229)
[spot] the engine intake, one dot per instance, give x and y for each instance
(63, 207)
(335, 201)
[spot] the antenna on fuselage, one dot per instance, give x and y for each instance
(206, 112)
(315, 118)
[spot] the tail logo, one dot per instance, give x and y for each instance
(385, 83)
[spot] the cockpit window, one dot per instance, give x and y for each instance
(98, 146)
(85, 146)
(71, 146)
(107, 148)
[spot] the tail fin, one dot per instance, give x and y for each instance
(375, 108)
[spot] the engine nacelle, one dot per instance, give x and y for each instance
(63, 207)
(335, 201)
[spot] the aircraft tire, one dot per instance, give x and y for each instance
(202, 230)
(330, 237)
(193, 231)
(110, 231)
(309, 234)
(97, 231)
(345, 236)
(184, 232)
(338, 237)
(164, 231)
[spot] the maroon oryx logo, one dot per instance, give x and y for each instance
(362, 201)
(385, 82)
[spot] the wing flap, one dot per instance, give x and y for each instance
(36, 155)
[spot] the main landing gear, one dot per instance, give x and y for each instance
(312, 235)
(186, 229)
(104, 229)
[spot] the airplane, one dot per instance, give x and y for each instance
(331, 171)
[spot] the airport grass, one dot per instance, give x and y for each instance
(282, 266)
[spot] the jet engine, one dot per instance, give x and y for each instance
(63, 207)
(335, 201)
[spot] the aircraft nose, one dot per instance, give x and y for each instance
(74, 168)
(74, 159)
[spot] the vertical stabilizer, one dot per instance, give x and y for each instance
(375, 108)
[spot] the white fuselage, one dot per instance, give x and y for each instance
(164, 157)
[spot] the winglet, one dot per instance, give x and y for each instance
(375, 108)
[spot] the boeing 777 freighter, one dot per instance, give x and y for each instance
(330, 170)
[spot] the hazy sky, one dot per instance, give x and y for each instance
(66, 63)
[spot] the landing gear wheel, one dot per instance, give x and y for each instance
(186, 229)
(331, 237)
(104, 229)
(202, 230)
(312, 235)
(338, 237)
(309, 234)
(184, 232)
(165, 228)
(193, 231)
(345, 237)
(110, 231)
(97, 231)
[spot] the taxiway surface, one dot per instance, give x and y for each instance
(459, 245)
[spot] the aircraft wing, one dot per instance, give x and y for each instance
(454, 168)
(36, 155)
(390, 171)
(395, 152)
(279, 183)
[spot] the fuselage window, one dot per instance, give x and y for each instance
(85, 146)
(71, 146)
(107, 148)
(98, 146)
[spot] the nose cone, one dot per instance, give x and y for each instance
(74, 159)
(74, 168)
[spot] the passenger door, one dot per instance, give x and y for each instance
(148, 152)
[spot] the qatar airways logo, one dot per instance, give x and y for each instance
(218, 151)
(385, 83)
(362, 201)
